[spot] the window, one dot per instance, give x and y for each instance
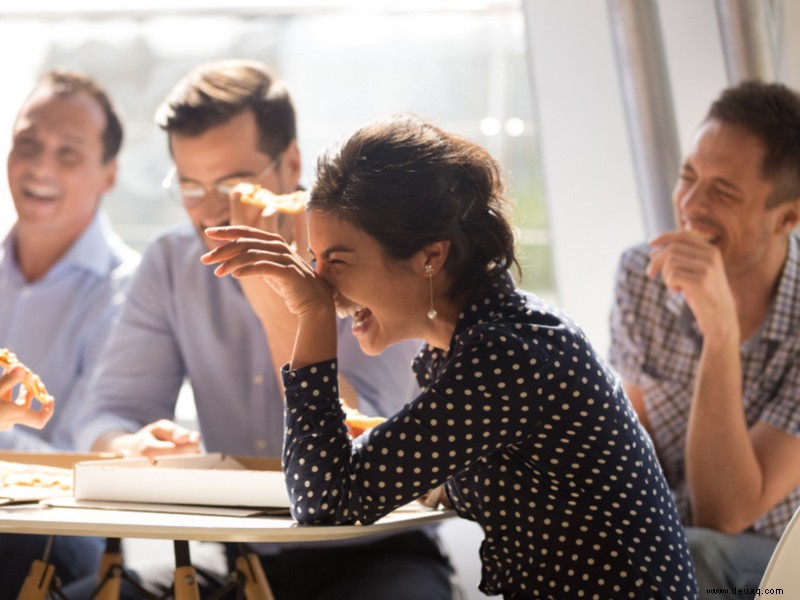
(461, 65)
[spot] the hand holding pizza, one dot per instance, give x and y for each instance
(20, 410)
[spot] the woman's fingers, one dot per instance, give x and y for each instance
(249, 252)
(266, 268)
(232, 232)
(240, 245)
(245, 256)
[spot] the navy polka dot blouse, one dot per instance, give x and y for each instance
(534, 440)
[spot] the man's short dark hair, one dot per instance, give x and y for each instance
(770, 111)
(66, 83)
(213, 93)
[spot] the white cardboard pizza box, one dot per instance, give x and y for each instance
(33, 476)
(212, 479)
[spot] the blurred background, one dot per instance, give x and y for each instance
(460, 65)
(588, 104)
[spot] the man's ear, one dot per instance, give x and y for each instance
(290, 167)
(789, 217)
(109, 175)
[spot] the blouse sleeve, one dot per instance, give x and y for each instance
(479, 403)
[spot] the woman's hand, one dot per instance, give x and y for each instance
(251, 252)
(13, 414)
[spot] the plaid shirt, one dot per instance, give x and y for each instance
(656, 344)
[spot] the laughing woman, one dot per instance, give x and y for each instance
(517, 416)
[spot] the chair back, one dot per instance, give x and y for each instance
(783, 570)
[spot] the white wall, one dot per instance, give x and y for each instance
(589, 174)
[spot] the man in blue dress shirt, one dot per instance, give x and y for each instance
(230, 122)
(63, 273)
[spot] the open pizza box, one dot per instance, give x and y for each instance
(35, 476)
(210, 480)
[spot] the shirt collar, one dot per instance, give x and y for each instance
(90, 252)
(486, 302)
(484, 306)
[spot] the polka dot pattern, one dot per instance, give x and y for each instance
(534, 440)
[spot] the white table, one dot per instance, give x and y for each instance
(182, 527)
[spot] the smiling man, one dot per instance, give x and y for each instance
(62, 275)
(706, 334)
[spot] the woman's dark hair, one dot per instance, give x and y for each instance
(408, 183)
(215, 92)
(770, 111)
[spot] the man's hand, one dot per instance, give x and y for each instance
(688, 263)
(13, 414)
(156, 439)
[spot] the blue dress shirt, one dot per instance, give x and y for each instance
(180, 320)
(58, 324)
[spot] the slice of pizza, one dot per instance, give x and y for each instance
(357, 423)
(270, 203)
(33, 387)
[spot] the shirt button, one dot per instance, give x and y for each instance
(258, 380)
(261, 444)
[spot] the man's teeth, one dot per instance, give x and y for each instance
(43, 191)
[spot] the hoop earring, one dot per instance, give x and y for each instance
(432, 314)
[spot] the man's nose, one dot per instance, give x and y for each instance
(694, 199)
(42, 162)
(214, 205)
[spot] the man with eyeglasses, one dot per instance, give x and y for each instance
(230, 122)
(63, 273)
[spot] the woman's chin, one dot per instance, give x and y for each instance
(371, 344)
(370, 336)
(370, 347)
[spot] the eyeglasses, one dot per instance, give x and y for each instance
(194, 193)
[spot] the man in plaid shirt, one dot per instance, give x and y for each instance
(706, 334)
